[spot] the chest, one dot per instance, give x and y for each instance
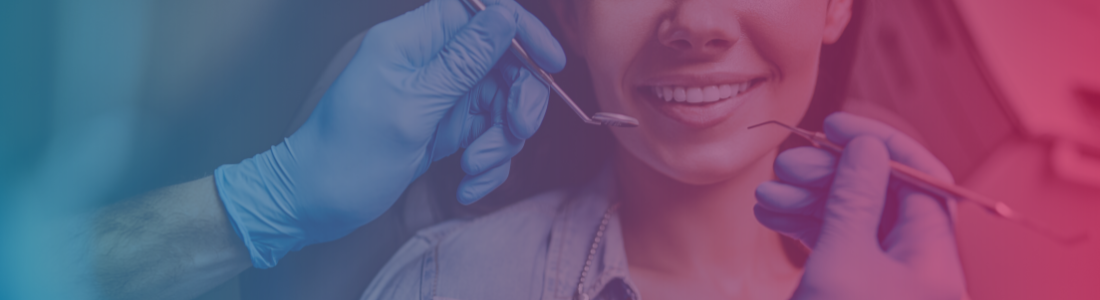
(656, 286)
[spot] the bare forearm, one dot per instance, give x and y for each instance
(173, 243)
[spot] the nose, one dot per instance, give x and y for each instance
(699, 28)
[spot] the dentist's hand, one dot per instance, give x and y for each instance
(420, 87)
(872, 236)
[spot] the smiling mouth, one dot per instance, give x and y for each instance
(707, 103)
(701, 94)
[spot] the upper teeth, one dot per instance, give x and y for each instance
(697, 94)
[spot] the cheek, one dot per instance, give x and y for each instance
(788, 34)
(613, 35)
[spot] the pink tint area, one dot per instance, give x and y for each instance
(1016, 118)
(1043, 56)
(1005, 261)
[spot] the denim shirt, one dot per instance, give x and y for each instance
(534, 249)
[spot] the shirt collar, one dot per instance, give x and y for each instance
(571, 239)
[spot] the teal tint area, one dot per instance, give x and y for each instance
(75, 71)
(26, 60)
(102, 101)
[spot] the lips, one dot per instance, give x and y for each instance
(700, 106)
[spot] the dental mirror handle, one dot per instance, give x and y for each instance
(548, 80)
(542, 75)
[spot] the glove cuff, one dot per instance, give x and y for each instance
(255, 196)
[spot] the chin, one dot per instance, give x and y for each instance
(705, 167)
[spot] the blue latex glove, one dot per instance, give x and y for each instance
(872, 236)
(420, 87)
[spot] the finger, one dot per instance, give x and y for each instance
(536, 39)
(470, 116)
(527, 100)
(922, 232)
(856, 200)
(924, 235)
(489, 100)
(803, 228)
(789, 199)
(842, 127)
(475, 187)
(492, 104)
(493, 148)
(806, 166)
(470, 53)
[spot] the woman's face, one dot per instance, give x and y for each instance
(696, 73)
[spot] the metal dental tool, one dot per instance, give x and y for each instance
(600, 118)
(942, 188)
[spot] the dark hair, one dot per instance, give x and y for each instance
(566, 152)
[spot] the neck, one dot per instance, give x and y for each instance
(679, 229)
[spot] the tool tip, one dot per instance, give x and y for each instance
(613, 119)
(770, 122)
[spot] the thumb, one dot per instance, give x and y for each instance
(471, 53)
(857, 197)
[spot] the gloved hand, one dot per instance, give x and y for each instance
(873, 237)
(420, 87)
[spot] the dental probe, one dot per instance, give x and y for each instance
(941, 188)
(600, 118)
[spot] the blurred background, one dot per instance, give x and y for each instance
(105, 100)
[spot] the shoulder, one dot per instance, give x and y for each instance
(501, 255)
